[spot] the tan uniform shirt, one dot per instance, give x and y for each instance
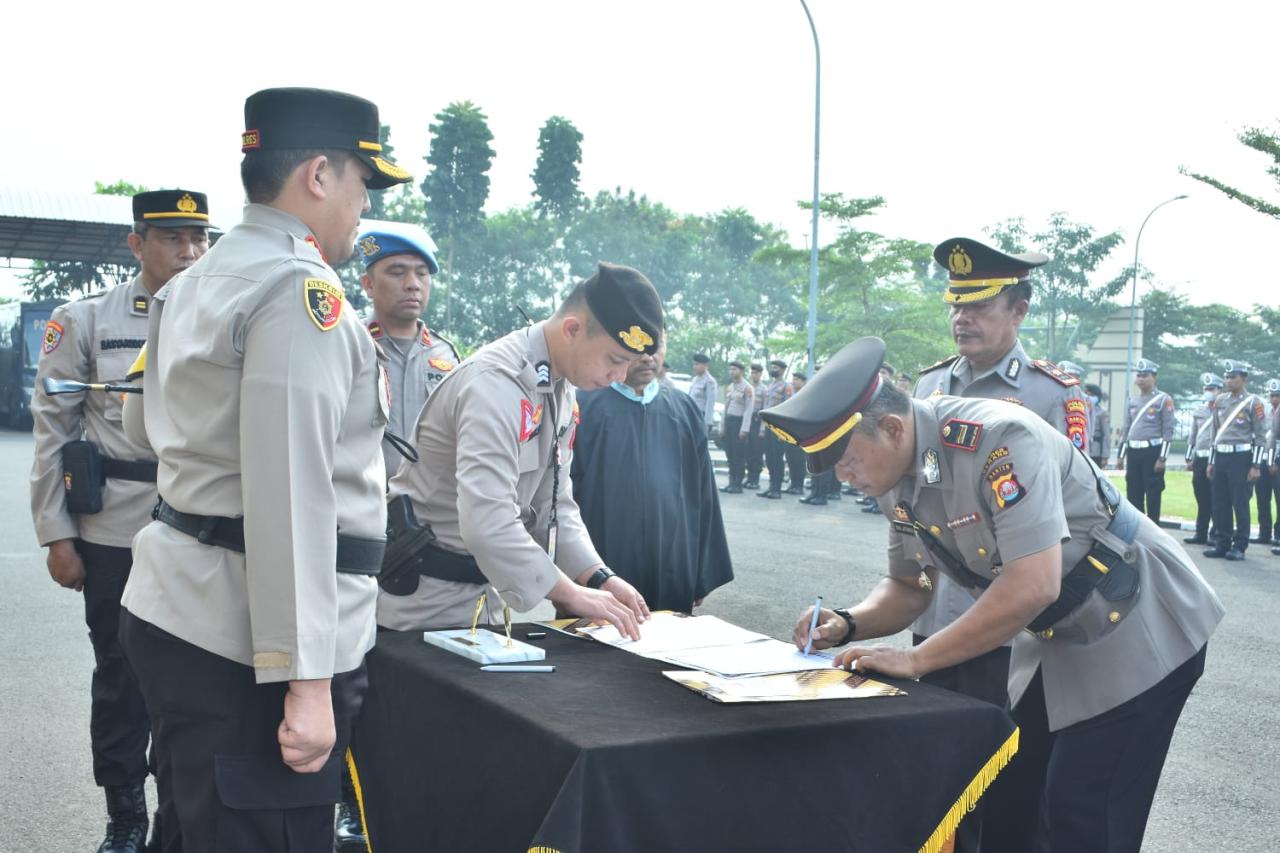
(415, 366)
(1200, 436)
(1240, 420)
(738, 400)
(92, 340)
(1055, 397)
(994, 484)
(484, 482)
(1149, 417)
(261, 403)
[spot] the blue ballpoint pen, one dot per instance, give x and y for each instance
(813, 623)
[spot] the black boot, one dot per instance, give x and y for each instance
(126, 819)
(348, 834)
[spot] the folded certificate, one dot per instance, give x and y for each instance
(786, 687)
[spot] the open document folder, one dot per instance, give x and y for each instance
(709, 644)
(784, 687)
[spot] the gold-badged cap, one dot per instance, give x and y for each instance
(979, 272)
(820, 416)
(293, 118)
(627, 305)
(172, 209)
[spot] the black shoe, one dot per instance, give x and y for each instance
(851, 492)
(126, 819)
(772, 495)
(1235, 555)
(731, 490)
(752, 484)
(348, 832)
(1215, 553)
(1276, 551)
(796, 490)
(873, 509)
(834, 496)
(812, 501)
(1196, 540)
(864, 501)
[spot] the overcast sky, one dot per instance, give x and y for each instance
(960, 115)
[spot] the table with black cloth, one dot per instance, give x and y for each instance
(605, 754)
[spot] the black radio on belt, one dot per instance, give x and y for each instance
(85, 471)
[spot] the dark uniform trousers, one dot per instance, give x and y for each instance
(774, 450)
(118, 724)
(1056, 795)
(755, 450)
(1143, 483)
(798, 464)
(1203, 490)
(1231, 492)
(734, 448)
(217, 754)
(1264, 488)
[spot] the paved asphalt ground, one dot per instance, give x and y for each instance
(1218, 793)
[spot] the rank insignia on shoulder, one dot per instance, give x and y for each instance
(140, 304)
(1008, 490)
(951, 359)
(52, 337)
(441, 364)
(323, 301)
(543, 370)
(962, 435)
(1051, 369)
(1014, 368)
(375, 329)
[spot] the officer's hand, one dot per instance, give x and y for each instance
(1159, 466)
(1208, 472)
(1254, 473)
(628, 595)
(886, 659)
(65, 565)
(307, 733)
(830, 631)
(596, 604)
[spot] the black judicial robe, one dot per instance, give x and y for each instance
(643, 480)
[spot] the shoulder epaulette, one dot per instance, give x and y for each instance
(951, 359)
(442, 339)
(1051, 369)
(375, 329)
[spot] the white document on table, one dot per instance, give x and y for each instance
(764, 657)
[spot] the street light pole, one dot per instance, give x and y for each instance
(1133, 297)
(813, 242)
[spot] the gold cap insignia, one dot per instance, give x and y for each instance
(391, 170)
(187, 204)
(959, 261)
(369, 246)
(636, 338)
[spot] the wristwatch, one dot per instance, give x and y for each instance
(601, 575)
(848, 623)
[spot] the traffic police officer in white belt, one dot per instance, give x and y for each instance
(92, 487)
(398, 266)
(1148, 431)
(251, 603)
(1235, 460)
(1109, 617)
(1199, 446)
(495, 442)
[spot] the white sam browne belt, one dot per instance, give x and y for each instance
(1232, 448)
(1143, 444)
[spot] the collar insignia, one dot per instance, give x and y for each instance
(543, 369)
(932, 473)
(140, 304)
(375, 329)
(1014, 368)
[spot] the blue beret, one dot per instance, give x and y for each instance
(376, 245)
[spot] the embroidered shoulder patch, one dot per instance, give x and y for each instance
(1077, 422)
(530, 419)
(441, 364)
(1050, 369)
(323, 301)
(52, 337)
(962, 435)
(1008, 490)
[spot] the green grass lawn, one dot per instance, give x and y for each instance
(1178, 500)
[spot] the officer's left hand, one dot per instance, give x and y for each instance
(1254, 473)
(1159, 466)
(307, 732)
(627, 595)
(886, 659)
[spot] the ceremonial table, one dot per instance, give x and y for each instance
(606, 755)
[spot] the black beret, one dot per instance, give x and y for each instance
(979, 272)
(700, 358)
(627, 305)
(172, 209)
(778, 362)
(755, 366)
(736, 364)
(820, 417)
(291, 118)
(800, 374)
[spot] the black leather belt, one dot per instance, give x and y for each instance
(118, 469)
(355, 555)
(436, 562)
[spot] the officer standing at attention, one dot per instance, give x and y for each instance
(88, 522)
(251, 603)
(778, 390)
(1273, 457)
(1199, 445)
(739, 402)
(495, 445)
(1002, 502)
(1148, 433)
(1267, 485)
(398, 266)
(703, 391)
(1100, 424)
(755, 441)
(1235, 460)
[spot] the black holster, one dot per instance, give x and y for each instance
(411, 552)
(82, 477)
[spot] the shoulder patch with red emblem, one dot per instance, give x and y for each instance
(441, 364)
(962, 435)
(948, 360)
(1007, 489)
(530, 419)
(52, 337)
(1077, 422)
(1050, 369)
(323, 301)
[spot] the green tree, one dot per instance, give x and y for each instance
(555, 177)
(61, 279)
(1263, 142)
(1066, 306)
(378, 198)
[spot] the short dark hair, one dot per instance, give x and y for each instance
(1016, 293)
(141, 228)
(736, 364)
(889, 400)
(576, 303)
(264, 173)
(755, 366)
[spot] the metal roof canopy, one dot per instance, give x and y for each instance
(49, 226)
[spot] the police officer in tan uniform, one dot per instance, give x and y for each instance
(1235, 460)
(495, 442)
(94, 340)
(1199, 446)
(251, 602)
(1148, 433)
(1108, 616)
(1265, 487)
(398, 266)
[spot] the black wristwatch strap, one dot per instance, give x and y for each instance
(848, 623)
(601, 575)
